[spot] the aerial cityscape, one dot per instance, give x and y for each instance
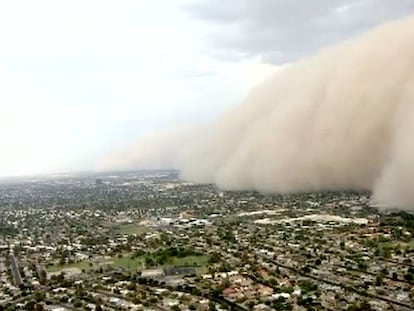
(148, 241)
(207, 155)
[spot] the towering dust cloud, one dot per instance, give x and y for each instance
(340, 120)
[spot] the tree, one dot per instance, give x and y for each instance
(409, 277)
(77, 304)
(286, 289)
(42, 276)
(39, 296)
(39, 307)
(149, 261)
(30, 305)
(307, 286)
(132, 286)
(214, 258)
(387, 252)
(379, 279)
(195, 291)
(306, 269)
(362, 265)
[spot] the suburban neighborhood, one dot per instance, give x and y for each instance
(147, 241)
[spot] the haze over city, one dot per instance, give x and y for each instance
(81, 80)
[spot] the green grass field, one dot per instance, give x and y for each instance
(197, 261)
(137, 263)
(402, 244)
(128, 262)
(80, 265)
(131, 229)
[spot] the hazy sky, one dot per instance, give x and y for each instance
(80, 78)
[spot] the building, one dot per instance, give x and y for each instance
(152, 273)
